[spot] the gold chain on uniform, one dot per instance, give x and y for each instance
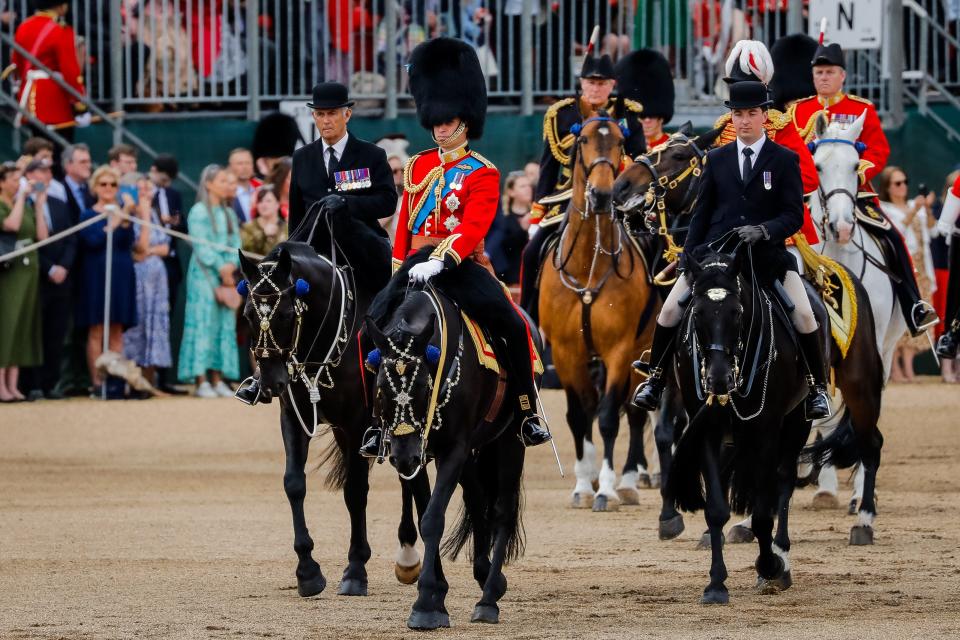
(435, 174)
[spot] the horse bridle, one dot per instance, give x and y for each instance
(825, 197)
(598, 161)
(267, 345)
(654, 206)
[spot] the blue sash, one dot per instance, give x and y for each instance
(466, 166)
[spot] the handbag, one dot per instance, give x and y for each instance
(229, 297)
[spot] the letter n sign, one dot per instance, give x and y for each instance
(854, 24)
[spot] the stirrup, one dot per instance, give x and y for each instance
(642, 364)
(381, 445)
(541, 421)
(926, 308)
(243, 387)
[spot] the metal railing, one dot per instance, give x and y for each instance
(241, 55)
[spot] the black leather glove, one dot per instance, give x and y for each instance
(333, 203)
(751, 233)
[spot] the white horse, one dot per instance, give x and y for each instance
(832, 210)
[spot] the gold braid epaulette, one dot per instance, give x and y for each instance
(435, 174)
(776, 119)
(550, 133)
(859, 99)
(486, 163)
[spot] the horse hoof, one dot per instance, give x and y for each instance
(861, 535)
(426, 620)
(486, 613)
(628, 495)
(407, 575)
(715, 596)
(352, 587)
(739, 534)
(823, 501)
(655, 481)
(644, 481)
(581, 500)
(670, 529)
(311, 587)
(852, 508)
(704, 542)
(605, 503)
(774, 585)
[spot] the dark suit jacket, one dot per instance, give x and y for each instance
(76, 208)
(174, 206)
(310, 182)
(62, 253)
(725, 201)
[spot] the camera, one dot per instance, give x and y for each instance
(923, 190)
(39, 187)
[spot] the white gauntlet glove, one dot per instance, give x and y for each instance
(425, 270)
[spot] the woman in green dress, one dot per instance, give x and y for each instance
(208, 352)
(20, 330)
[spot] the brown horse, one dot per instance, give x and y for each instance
(597, 309)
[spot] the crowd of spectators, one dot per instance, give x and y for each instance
(53, 326)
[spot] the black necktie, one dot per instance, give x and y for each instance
(746, 163)
(85, 195)
(333, 165)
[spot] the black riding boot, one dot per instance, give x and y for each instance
(530, 273)
(648, 392)
(817, 405)
(918, 313)
(249, 392)
(947, 345)
(371, 442)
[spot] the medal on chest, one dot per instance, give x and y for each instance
(452, 202)
(767, 180)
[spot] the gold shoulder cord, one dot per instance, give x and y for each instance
(551, 135)
(435, 174)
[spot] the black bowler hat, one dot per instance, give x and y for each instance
(748, 94)
(830, 54)
(330, 95)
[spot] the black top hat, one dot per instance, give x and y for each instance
(644, 75)
(600, 68)
(748, 94)
(739, 75)
(330, 95)
(447, 83)
(793, 77)
(830, 54)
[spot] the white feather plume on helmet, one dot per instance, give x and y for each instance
(753, 57)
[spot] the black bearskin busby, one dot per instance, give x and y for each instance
(276, 135)
(792, 75)
(447, 83)
(644, 75)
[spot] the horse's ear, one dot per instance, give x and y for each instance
(284, 264)
(736, 263)
(855, 129)
(693, 266)
(379, 340)
(706, 140)
(686, 129)
(247, 265)
(422, 339)
(820, 126)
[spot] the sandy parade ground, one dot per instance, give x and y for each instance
(167, 519)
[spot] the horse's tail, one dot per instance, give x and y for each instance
(460, 536)
(684, 482)
(839, 448)
(332, 455)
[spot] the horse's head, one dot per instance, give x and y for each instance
(597, 157)
(274, 308)
(665, 178)
(718, 311)
(836, 154)
(405, 362)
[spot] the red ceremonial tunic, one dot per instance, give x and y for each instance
(656, 142)
(457, 221)
(846, 108)
(55, 46)
(781, 130)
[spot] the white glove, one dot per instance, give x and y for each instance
(84, 120)
(532, 230)
(425, 270)
(948, 216)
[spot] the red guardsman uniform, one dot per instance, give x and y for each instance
(451, 200)
(655, 142)
(846, 108)
(780, 129)
(54, 44)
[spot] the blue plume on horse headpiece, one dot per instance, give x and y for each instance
(302, 287)
(373, 358)
(243, 288)
(860, 146)
(812, 146)
(576, 128)
(433, 354)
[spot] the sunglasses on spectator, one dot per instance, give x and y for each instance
(107, 184)
(900, 183)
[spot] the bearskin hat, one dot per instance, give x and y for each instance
(644, 75)
(447, 83)
(276, 136)
(792, 76)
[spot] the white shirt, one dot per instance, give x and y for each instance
(755, 147)
(245, 198)
(338, 148)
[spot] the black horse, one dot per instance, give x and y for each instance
(743, 384)
(305, 313)
(657, 193)
(436, 401)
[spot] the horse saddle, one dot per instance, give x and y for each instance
(837, 292)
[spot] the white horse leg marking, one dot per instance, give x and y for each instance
(865, 519)
(608, 478)
(583, 470)
(746, 523)
(407, 556)
(590, 457)
(828, 480)
(858, 484)
(784, 555)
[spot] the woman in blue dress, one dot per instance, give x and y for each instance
(123, 293)
(208, 352)
(148, 343)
